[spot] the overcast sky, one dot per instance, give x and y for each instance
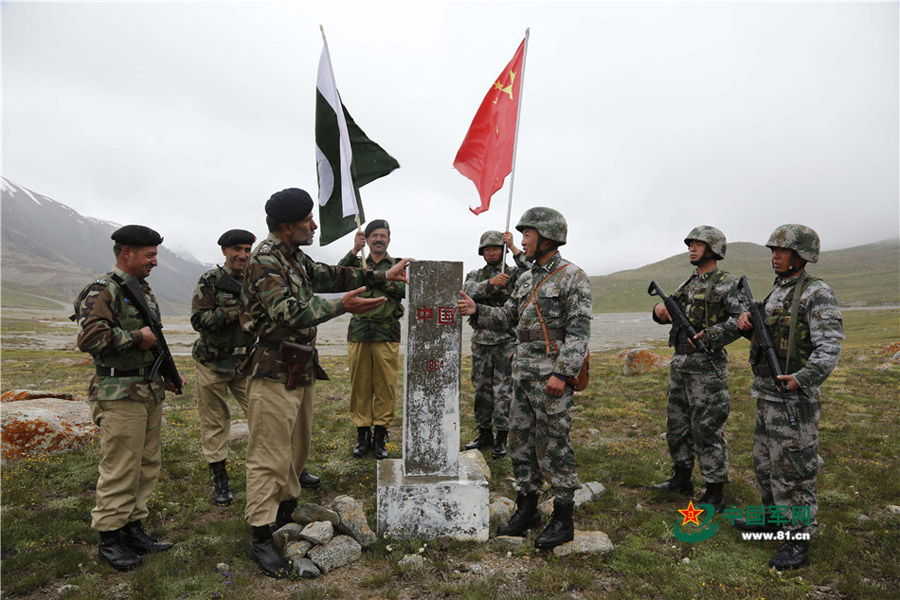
(638, 122)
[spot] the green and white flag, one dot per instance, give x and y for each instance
(346, 158)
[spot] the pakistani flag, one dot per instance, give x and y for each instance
(346, 159)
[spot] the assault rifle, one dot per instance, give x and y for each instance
(681, 320)
(763, 345)
(227, 283)
(164, 363)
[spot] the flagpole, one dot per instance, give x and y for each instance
(512, 174)
(362, 250)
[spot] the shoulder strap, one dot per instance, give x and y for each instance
(802, 282)
(538, 308)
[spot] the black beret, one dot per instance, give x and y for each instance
(234, 237)
(377, 224)
(136, 235)
(289, 206)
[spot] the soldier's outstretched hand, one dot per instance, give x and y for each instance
(398, 271)
(466, 306)
(744, 322)
(355, 305)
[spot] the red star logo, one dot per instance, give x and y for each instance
(691, 514)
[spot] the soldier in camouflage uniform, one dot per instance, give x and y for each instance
(492, 349)
(280, 305)
(807, 333)
(550, 308)
(219, 351)
(373, 345)
(699, 401)
(125, 405)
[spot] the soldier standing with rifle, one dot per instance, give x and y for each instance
(805, 325)
(219, 351)
(281, 308)
(698, 399)
(118, 324)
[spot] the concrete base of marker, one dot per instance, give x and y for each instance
(431, 507)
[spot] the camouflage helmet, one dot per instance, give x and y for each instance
(710, 236)
(799, 238)
(489, 238)
(549, 223)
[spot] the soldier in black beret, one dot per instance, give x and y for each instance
(219, 352)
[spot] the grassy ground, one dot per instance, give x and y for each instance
(619, 422)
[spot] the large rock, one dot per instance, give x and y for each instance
(239, 431)
(478, 457)
(585, 542)
(309, 513)
(19, 395)
(640, 361)
(295, 550)
(306, 568)
(341, 550)
(587, 492)
(509, 542)
(353, 520)
(44, 426)
(292, 532)
(318, 532)
(502, 510)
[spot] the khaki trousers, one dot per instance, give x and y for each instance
(280, 433)
(373, 374)
(130, 460)
(212, 406)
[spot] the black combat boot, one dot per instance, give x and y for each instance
(681, 482)
(114, 551)
(380, 437)
(135, 538)
(525, 517)
(499, 450)
(363, 442)
(485, 439)
(262, 548)
(222, 495)
(791, 555)
(285, 513)
(560, 529)
(713, 495)
(308, 480)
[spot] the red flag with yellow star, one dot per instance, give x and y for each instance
(486, 153)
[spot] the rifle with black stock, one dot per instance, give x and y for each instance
(164, 363)
(227, 283)
(763, 344)
(681, 319)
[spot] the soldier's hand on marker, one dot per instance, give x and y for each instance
(508, 240)
(499, 280)
(359, 242)
(398, 271)
(555, 386)
(744, 322)
(355, 305)
(792, 384)
(466, 306)
(662, 313)
(148, 340)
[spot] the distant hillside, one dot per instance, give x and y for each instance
(866, 275)
(50, 252)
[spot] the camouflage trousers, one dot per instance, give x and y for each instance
(492, 379)
(698, 407)
(539, 440)
(786, 457)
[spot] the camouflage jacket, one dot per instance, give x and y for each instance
(479, 288)
(215, 314)
(280, 304)
(109, 329)
(712, 304)
(820, 315)
(565, 303)
(383, 323)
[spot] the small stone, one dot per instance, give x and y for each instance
(596, 487)
(639, 507)
(641, 360)
(501, 510)
(476, 568)
(593, 433)
(894, 509)
(862, 518)
(820, 460)
(585, 542)
(546, 508)
(482, 465)
(353, 520)
(239, 431)
(318, 532)
(341, 550)
(508, 542)
(295, 550)
(68, 588)
(289, 533)
(686, 560)
(413, 561)
(222, 568)
(306, 568)
(307, 513)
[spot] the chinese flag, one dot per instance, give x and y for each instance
(486, 153)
